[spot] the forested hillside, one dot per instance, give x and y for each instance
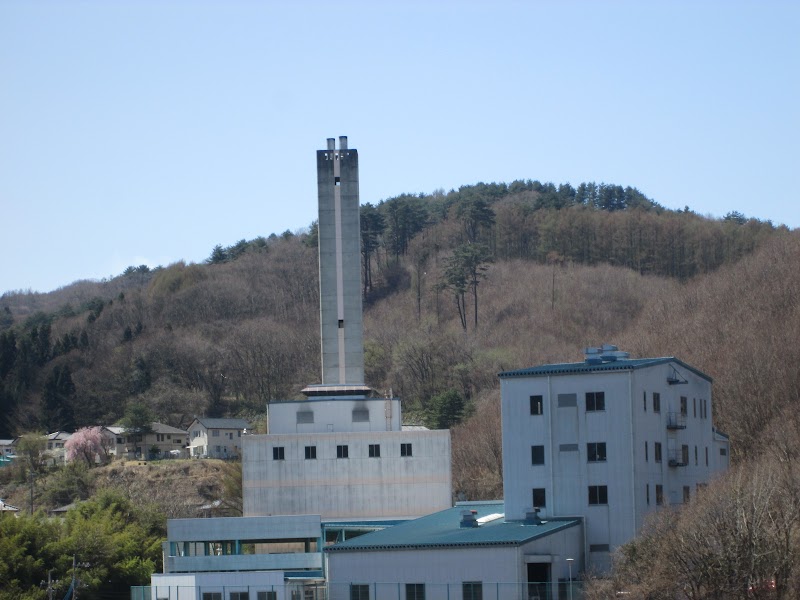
(458, 286)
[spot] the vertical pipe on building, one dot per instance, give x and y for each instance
(552, 450)
(633, 443)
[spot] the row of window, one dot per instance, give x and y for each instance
(342, 451)
(598, 495)
(702, 404)
(271, 595)
(680, 457)
(596, 401)
(659, 492)
(595, 452)
(470, 590)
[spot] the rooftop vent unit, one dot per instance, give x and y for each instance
(532, 516)
(469, 518)
(603, 354)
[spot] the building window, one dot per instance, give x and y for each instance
(267, 595)
(646, 456)
(212, 595)
(695, 456)
(239, 596)
(694, 407)
(539, 498)
(405, 450)
(359, 591)
(659, 494)
(644, 400)
(657, 451)
(599, 548)
(311, 452)
(537, 405)
(684, 405)
(706, 455)
(472, 590)
(686, 494)
(598, 494)
(537, 455)
(374, 450)
(685, 454)
(278, 453)
(342, 451)
(647, 494)
(595, 401)
(215, 433)
(415, 591)
(656, 402)
(120, 441)
(723, 452)
(596, 451)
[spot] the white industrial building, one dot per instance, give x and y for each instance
(610, 439)
(469, 552)
(345, 458)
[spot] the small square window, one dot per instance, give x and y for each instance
(374, 450)
(595, 401)
(598, 494)
(596, 451)
(537, 405)
(311, 452)
(539, 498)
(415, 591)
(537, 455)
(359, 591)
(278, 453)
(342, 451)
(472, 590)
(405, 450)
(215, 433)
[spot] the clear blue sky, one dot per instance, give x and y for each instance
(146, 132)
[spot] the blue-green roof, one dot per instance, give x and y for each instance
(621, 364)
(444, 530)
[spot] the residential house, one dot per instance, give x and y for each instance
(216, 438)
(162, 441)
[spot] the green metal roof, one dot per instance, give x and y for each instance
(621, 364)
(443, 530)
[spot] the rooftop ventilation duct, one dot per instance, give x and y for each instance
(469, 518)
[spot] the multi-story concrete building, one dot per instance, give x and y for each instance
(342, 452)
(610, 439)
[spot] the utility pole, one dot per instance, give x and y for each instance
(31, 476)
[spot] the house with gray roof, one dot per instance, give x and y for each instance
(216, 438)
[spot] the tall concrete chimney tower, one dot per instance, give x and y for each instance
(340, 266)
